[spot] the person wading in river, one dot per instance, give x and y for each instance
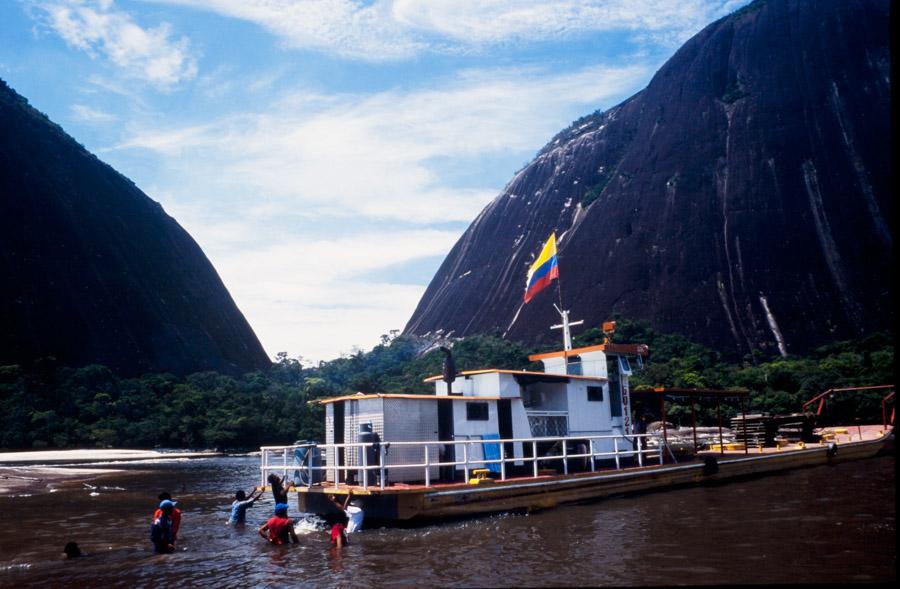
(72, 550)
(279, 488)
(240, 505)
(162, 532)
(352, 509)
(176, 514)
(279, 529)
(339, 535)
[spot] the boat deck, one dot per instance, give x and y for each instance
(524, 491)
(837, 434)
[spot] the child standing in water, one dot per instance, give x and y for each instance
(72, 550)
(279, 529)
(352, 509)
(339, 535)
(240, 504)
(162, 532)
(279, 488)
(175, 515)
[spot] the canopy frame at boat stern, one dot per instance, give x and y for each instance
(888, 389)
(692, 394)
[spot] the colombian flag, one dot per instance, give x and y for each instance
(544, 269)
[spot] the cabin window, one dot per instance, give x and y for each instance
(595, 394)
(476, 411)
(573, 365)
(531, 399)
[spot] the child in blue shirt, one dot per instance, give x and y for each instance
(240, 505)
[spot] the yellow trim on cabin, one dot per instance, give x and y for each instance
(425, 397)
(637, 349)
(549, 375)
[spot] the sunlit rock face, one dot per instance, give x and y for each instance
(94, 271)
(742, 198)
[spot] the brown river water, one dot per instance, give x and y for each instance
(829, 524)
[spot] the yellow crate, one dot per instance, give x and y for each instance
(481, 477)
(729, 446)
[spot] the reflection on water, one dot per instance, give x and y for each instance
(335, 559)
(825, 524)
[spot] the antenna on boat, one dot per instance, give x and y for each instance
(566, 325)
(449, 368)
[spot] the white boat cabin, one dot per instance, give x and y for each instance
(581, 392)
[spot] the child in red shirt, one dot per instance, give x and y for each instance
(279, 529)
(338, 535)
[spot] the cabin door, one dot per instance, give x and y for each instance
(445, 433)
(615, 393)
(504, 421)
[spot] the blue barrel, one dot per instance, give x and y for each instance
(301, 474)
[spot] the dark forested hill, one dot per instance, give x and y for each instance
(94, 271)
(743, 198)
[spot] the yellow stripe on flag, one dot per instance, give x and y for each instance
(548, 252)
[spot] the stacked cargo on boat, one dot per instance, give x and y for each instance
(763, 429)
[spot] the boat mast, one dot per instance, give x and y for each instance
(566, 325)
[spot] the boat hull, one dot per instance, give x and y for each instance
(459, 500)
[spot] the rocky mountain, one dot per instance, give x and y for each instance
(742, 198)
(94, 271)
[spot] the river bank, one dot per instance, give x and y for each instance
(28, 480)
(25, 473)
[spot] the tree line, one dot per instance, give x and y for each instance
(48, 405)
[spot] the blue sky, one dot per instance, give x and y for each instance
(327, 154)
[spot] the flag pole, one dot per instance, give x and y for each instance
(558, 278)
(565, 325)
(563, 313)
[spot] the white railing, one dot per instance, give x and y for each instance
(623, 447)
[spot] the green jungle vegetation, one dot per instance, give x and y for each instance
(51, 406)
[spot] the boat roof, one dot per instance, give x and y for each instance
(422, 397)
(609, 348)
(528, 375)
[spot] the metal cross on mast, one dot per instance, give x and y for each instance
(566, 325)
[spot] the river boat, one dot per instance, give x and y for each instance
(496, 440)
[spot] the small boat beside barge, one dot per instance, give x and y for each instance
(510, 440)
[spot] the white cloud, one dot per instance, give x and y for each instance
(315, 291)
(371, 155)
(348, 28)
(494, 21)
(99, 29)
(400, 29)
(86, 114)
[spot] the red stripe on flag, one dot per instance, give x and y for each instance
(539, 284)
